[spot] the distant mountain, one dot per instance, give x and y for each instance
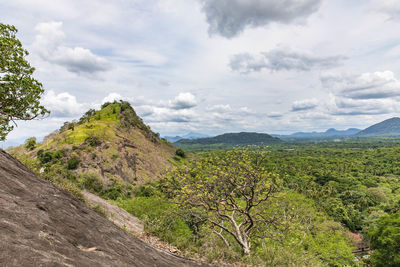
(243, 138)
(328, 133)
(173, 139)
(190, 135)
(389, 127)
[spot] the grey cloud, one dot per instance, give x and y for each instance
(351, 107)
(287, 60)
(377, 85)
(282, 59)
(275, 115)
(79, 60)
(228, 18)
(306, 104)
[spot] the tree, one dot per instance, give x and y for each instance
(19, 91)
(232, 188)
(30, 143)
(385, 240)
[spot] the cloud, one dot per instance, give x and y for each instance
(351, 107)
(111, 97)
(305, 104)
(390, 7)
(275, 115)
(376, 85)
(62, 105)
(183, 101)
(282, 59)
(48, 43)
(228, 18)
(219, 108)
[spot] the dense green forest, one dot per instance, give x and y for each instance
(350, 186)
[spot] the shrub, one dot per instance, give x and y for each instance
(116, 190)
(93, 140)
(30, 143)
(72, 163)
(99, 209)
(91, 181)
(44, 157)
(179, 152)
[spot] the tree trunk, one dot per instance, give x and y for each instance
(246, 249)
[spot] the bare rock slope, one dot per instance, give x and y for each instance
(43, 225)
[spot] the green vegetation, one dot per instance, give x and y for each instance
(30, 143)
(385, 240)
(19, 92)
(180, 153)
(293, 204)
(228, 206)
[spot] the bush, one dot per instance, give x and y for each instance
(160, 219)
(116, 190)
(93, 140)
(30, 143)
(72, 164)
(44, 157)
(147, 190)
(91, 181)
(179, 152)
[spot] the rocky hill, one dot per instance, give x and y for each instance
(389, 127)
(43, 225)
(111, 146)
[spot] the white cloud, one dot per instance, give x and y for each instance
(220, 108)
(390, 7)
(305, 104)
(62, 104)
(111, 97)
(48, 43)
(183, 101)
(230, 17)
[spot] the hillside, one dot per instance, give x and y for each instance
(43, 225)
(243, 138)
(389, 127)
(111, 146)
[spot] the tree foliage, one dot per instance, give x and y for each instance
(19, 91)
(231, 189)
(385, 240)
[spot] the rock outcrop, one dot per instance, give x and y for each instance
(43, 225)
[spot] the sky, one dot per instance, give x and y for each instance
(213, 66)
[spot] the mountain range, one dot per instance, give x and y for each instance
(332, 132)
(242, 138)
(389, 127)
(190, 136)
